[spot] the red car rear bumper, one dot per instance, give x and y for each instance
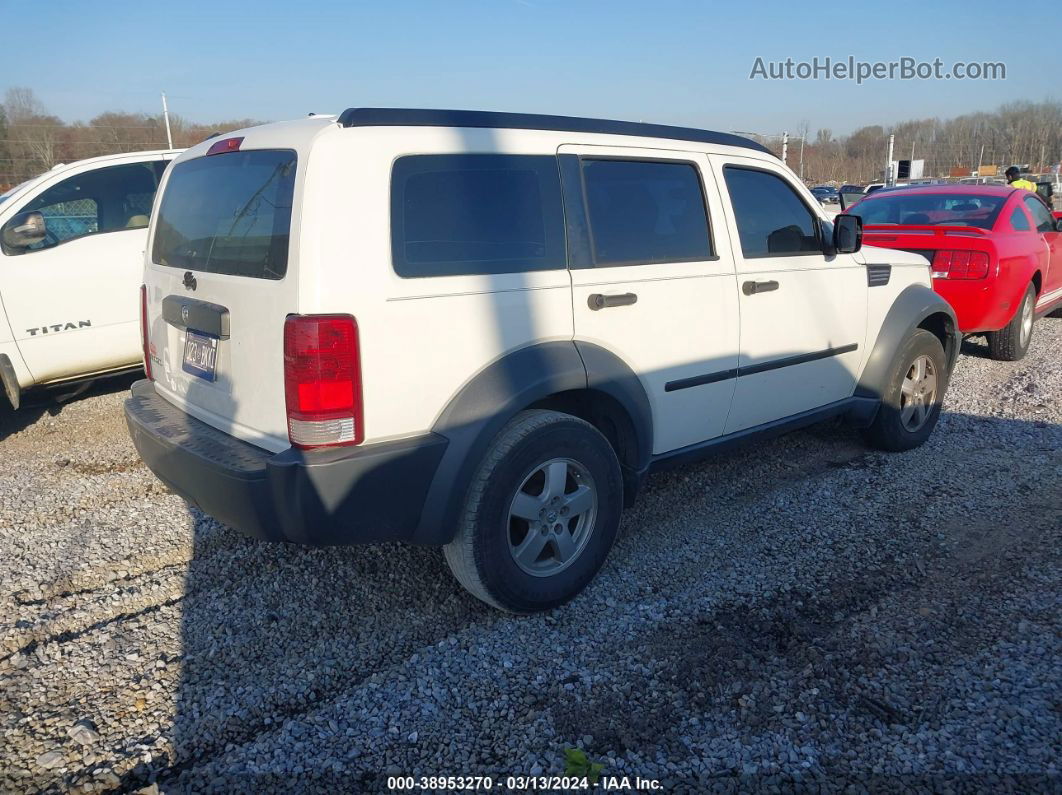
(979, 304)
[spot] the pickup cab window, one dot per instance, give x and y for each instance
(101, 200)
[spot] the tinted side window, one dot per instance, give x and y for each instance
(772, 219)
(1041, 217)
(642, 211)
(103, 200)
(476, 214)
(1018, 221)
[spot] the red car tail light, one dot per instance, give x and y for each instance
(322, 381)
(145, 340)
(960, 264)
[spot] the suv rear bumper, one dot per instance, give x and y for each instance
(334, 496)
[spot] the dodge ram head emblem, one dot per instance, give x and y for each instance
(184, 314)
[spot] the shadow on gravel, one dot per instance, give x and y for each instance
(51, 402)
(274, 634)
(976, 347)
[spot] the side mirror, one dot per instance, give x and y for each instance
(847, 233)
(24, 230)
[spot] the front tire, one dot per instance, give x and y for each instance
(1011, 342)
(913, 396)
(541, 514)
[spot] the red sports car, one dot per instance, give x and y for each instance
(995, 253)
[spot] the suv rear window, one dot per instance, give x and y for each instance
(476, 214)
(228, 213)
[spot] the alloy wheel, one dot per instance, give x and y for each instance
(917, 393)
(552, 516)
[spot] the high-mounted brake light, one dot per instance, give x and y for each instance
(226, 145)
(145, 341)
(960, 264)
(322, 381)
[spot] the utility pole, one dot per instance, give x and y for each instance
(980, 159)
(888, 162)
(785, 145)
(802, 137)
(166, 116)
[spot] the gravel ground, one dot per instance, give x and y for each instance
(801, 614)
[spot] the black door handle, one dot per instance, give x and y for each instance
(751, 288)
(598, 301)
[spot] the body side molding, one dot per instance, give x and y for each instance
(759, 367)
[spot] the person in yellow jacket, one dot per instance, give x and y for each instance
(1015, 181)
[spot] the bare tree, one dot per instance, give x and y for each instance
(33, 135)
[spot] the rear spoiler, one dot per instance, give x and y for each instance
(926, 229)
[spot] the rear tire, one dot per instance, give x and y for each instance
(911, 404)
(541, 514)
(1011, 342)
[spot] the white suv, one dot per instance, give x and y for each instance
(483, 330)
(71, 250)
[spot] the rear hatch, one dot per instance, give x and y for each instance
(221, 279)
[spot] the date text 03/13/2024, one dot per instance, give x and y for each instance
(523, 783)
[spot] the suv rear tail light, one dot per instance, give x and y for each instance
(960, 265)
(322, 380)
(145, 341)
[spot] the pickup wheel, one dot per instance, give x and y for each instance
(1011, 342)
(541, 513)
(911, 404)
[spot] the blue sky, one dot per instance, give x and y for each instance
(672, 62)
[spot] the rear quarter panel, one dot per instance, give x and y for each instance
(990, 304)
(421, 339)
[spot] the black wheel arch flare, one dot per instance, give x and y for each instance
(915, 305)
(498, 392)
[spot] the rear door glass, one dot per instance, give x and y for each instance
(645, 211)
(228, 213)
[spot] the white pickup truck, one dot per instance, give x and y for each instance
(71, 255)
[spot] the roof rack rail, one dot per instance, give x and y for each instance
(410, 117)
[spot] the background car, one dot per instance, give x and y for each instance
(71, 248)
(826, 194)
(995, 253)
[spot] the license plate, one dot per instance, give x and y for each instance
(200, 354)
